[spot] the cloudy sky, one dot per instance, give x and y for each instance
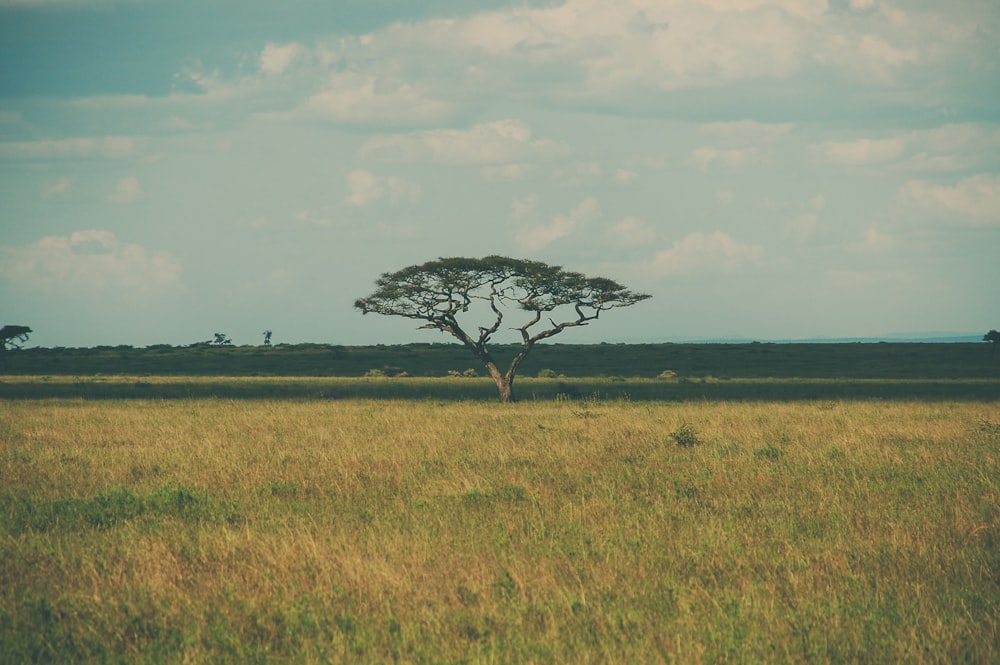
(766, 169)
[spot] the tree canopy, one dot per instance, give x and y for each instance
(439, 292)
(13, 336)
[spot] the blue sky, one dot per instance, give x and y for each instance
(766, 169)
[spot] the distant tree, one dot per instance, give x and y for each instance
(267, 337)
(439, 291)
(221, 340)
(13, 336)
(994, 337)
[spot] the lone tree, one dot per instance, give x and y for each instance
(13, 336)
(439, 291)
(994, 337)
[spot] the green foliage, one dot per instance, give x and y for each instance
(920, 362)
(20, 513)
(441, 292)
(13, 336)
(769, 453)
(685, 435)
(547, 374)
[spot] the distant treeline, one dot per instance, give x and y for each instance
(751, 360)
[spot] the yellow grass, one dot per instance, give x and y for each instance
(566, 531)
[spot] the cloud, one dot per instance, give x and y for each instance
(744, 132)
(89, 262)
(309, 217)
(952, 147)
(973, 201)
(367, 99)
(507, 171)
(632, 231)
(736, 158)
(861, 151)
(61, 188)
(499, 142)
(875, 241)
(128, 190)
(804, 225)
(562, 226)
(696, 252)
(520, 208)
(367, 188)
(624, 176)
(276, 58)
(862, 279)
(105, 147)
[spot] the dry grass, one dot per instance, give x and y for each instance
(567, 531)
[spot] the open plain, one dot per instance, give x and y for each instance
(186, 519)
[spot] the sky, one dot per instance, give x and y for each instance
(765, 169)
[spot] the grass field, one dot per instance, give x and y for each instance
(290, 522)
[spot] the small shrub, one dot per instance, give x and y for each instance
(470, 373)
(375, 374)
(770, 453)
(667, 374)
(685, 435)
(547, 374)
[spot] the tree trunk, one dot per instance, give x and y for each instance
(506, 391)
(505, 384)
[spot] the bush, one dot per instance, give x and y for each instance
(667, 374)
(547, 374)
(685, 435)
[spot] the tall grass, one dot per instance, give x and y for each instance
(550, 531)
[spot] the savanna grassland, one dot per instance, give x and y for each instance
(295, 523)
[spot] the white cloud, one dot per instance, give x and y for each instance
(58, 189)
(860, 279)
(498, 142)
(876, 241)
(522, 207)
(276, 58)
(624, 176)
(861, 151)
(367, 188)
(697, 252)
(743, 132)
(107, 147)
(952, 147)
(89, 262)
(309, 217)
(632, 231)
(804, 225)
(736, 158)
(507, 171)
(366, 99)
(973, 201)
(128, 190)
(562, 226)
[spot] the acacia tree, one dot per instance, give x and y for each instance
(13, 336)
(437, 292)
(992, 336)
